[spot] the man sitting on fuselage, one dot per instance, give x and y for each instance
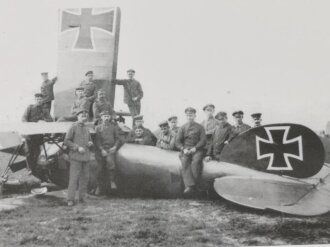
(166, 138)
(138, 123)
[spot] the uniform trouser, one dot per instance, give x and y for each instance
(48, 105)
(32, 150)
(192, 165)
(108, 162)
(79, 174)
(134, 108)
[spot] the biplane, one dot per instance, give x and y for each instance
(277, 167)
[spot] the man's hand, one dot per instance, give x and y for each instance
(104, 153)
(54, 79)
(113, 150)
(135, 98)
(207, 158)
(193, 150)
(186, 151)
(81, 150)
(226, 142)
(89, 144)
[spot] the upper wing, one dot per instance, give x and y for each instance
(27, 128)
(9, 140)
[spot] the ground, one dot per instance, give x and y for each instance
(115, 221)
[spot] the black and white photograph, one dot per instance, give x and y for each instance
(164, 123)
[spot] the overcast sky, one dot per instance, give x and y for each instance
(258, 56)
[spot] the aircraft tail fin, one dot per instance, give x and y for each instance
(284, 195)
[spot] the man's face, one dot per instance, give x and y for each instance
(138, 132)
(138, 123)
(105, 118)
(83, 117)
(79, 93)
(130, 75)
(209, 111)
(89, 77)
(257, 121)
(173, 123)
(165, 129)
(38, 100)
(190, 116)
(222, 119)
(44, 77)
(238, 118)
(101, 94)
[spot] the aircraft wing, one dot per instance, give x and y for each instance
(9, 140)
(27, 128)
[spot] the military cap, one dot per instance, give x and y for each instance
(38, 95)
(190, 110)
(163, 123)
(238, 113)
(81, 111)
(104, 113)
(256, 115)
(131, 70)
(172, 117)
(138, 117)
(88, 73)
(221, 114)
(207, 106)
(44, 73)
(80, 88)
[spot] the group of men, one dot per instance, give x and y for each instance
(195, 141)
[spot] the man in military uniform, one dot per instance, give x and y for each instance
(133, 93)
(35, 113)
(191, 140)
(256, 119)
(79, 142)
(47, 90)
(101, 104)
(209, 124)
(166, 138)
(107, 143)
(220, 137)
(148, 136)
(239, 126)
(89, 89)
(81, 103)
(140, 136)
(173, 123)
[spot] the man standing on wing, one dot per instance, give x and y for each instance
(133, 93)
(190, 141)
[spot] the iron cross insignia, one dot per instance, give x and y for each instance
(278, 148)
(87, 19)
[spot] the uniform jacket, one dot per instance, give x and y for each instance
(34, 113)
(220, 135)
(210, 125)
(80, 104)
(132, 88)
(107, 136)
(100, 106)
(90, 89)
(78, 136)
(147, 138)
(166, 141)
(47, 89)
(191, 135)
(237, 129)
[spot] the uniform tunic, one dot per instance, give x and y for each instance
(132, 89)
(34, 113)
(102, 105)
(166, 141)
(209, 126)
(191, 135)
(146, 139)
(237, 129)
(220, 135)
(89, 89)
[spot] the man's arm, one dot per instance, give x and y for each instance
(53, 81)
(26, 114)
(172, 143)
(47, 116)
(96, 112)
(98, 139)
(68, 141)
(179, 139)
(118, 141)
(140, 91)
(202, 139)
(119, 81)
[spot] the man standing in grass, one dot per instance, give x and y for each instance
(79, 141)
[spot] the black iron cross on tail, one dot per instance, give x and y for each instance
(85, 21)
(278, 149)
